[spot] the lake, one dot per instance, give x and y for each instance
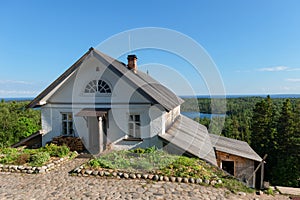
(193, 115)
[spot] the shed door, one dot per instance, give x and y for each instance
(228, 166)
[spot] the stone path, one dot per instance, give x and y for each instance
(57, 184)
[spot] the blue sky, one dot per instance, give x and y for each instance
(254, 44)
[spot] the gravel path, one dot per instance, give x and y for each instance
(57, 184)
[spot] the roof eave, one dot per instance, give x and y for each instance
(36, 102)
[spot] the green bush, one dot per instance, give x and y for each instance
(57, 151)
(9, 155)
(39, 158)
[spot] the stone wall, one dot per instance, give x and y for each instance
(31, 169)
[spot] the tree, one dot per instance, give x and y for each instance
(16, 122)
(263, 128)
(288, 167)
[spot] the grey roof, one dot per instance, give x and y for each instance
(233, 146)
(145, 83)
(193, 136)
(147, 86)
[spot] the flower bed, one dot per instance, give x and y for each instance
(157, 165)
(33, 160)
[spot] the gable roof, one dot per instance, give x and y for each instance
(188, 133)
(147, 86)
(234, 147)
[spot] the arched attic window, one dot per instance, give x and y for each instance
(99, 86)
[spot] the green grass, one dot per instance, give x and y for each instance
(33, 157)
(159, 162)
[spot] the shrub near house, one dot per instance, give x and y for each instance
(32, 157)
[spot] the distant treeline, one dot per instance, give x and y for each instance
(270, 126)
(16, 122)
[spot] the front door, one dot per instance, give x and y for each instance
(97, 134)
(94, 135)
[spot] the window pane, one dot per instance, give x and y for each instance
(70, 128)
(64, 116)
(137, 118)
(130, 117)
(64, 128)
(70, 117)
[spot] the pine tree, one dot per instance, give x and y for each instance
(287, 172)
(263, 128)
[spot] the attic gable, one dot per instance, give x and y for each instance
(144, 84)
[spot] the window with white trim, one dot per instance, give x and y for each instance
(134, 126)
(99, 86)
(67, 124)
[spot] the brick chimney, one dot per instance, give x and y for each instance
(132, 63)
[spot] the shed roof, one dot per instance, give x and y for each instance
(147, 86)
(193, 136)
(234, 147)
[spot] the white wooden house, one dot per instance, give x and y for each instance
(109, 104)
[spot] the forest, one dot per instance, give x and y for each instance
(270, 126)
(17, 122)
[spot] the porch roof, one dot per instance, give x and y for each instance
(92, 112)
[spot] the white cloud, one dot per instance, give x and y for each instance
(293, 79)
(278, 68)
(15, 82)
(274, 69)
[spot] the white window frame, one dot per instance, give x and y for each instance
(134, 126)
(68, 121)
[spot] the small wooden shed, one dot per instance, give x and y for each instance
(237, 158)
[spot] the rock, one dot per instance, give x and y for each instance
(30, 171)
(95, 173)
(144, 176)
(150, 176)
(173, 179)
(89, 172)
(198, 180)
(126, 175)
(133, 176)
(206, 181)
(259, 192)
(120, 174)
(185, 180)
(220, 181)
(155, 178)
(115, 174)
(179, 179)
(101, 173)
(241, 194)
(191, 180)
(161, 178)
(166, 178)
(213, 182)
(107, 173)
(20, 167)
(138, 176)
(42, 171)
